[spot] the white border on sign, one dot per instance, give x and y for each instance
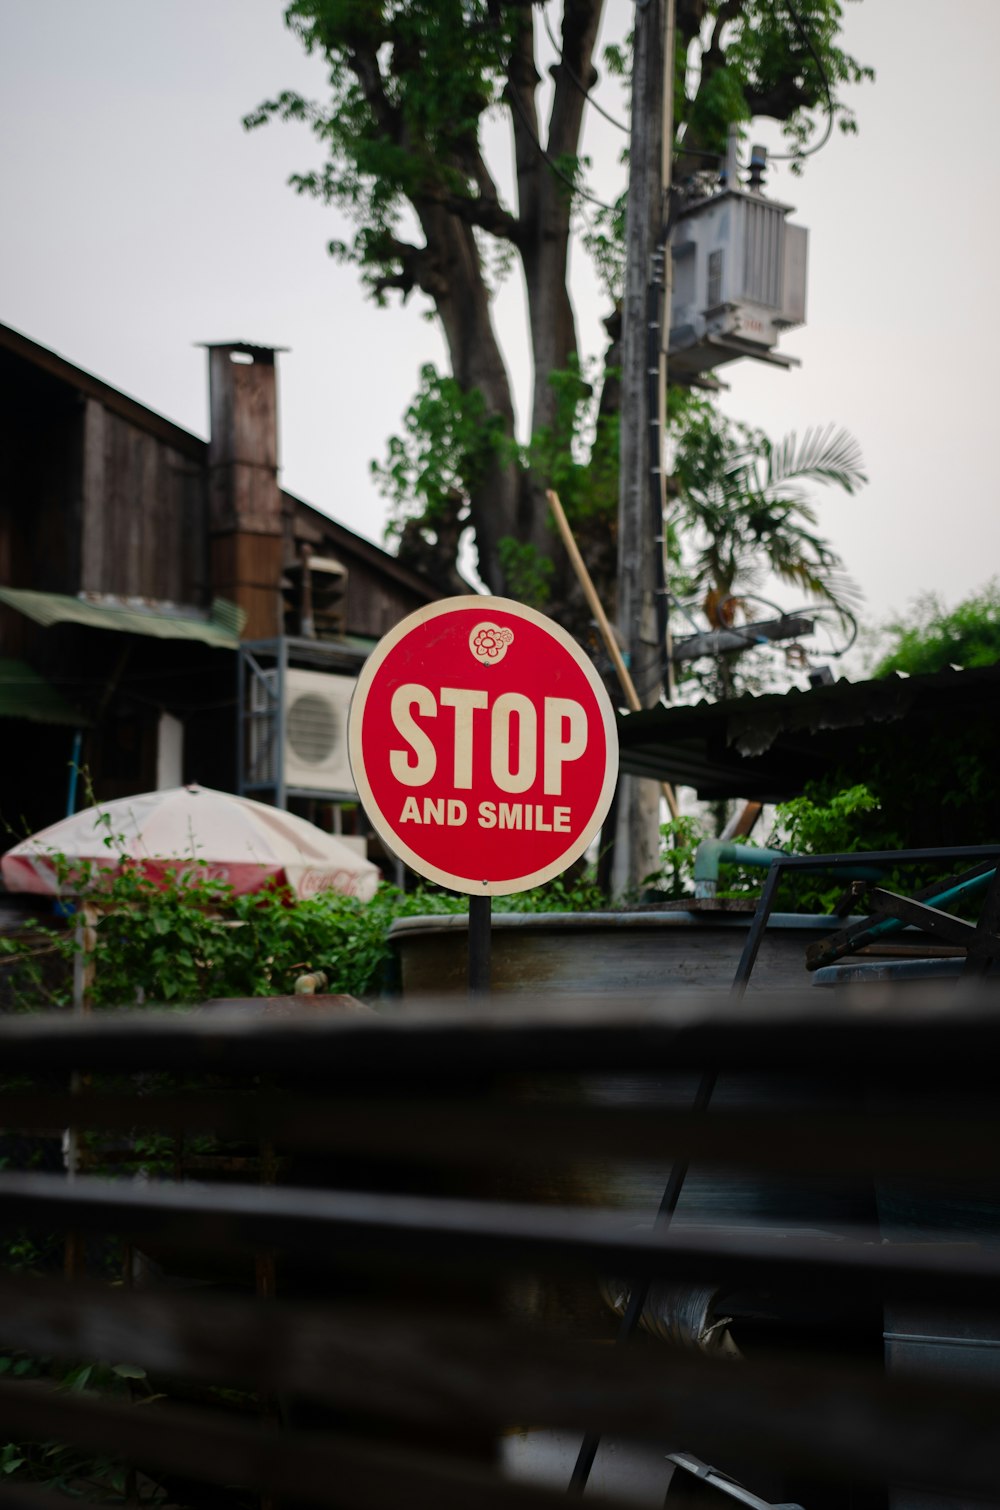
(378, 820)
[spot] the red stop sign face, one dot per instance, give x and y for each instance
(483, 745)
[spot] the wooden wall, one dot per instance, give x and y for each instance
(380, 592)
(144, 528)
(41, 424)
(374, 601)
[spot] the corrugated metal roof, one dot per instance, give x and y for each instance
(25, 694)
(48, 608)
(768, 746)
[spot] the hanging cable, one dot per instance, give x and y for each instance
(816, 610)
(842, 614)
(681, 150)
(776, 157)
(811, 610)
(806, 37)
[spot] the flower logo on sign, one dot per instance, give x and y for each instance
(488, 643)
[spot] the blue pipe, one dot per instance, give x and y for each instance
(711, 853)
(60, 908)
(74, 773)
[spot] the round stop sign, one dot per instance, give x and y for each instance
(483, 745)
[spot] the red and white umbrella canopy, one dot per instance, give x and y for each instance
(214, 834)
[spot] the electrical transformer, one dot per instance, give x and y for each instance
(739, 280)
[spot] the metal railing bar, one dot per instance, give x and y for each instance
(492, 1235)
(852, 1142)
(835, 862)
(945, 1030)
(444, 1373)
(213, 1448)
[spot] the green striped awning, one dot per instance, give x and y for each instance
(47, 608)
(25, 694)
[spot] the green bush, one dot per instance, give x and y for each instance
(937, 637)
(681, 837)
(817, 823)
(187, 938)
(821, 823)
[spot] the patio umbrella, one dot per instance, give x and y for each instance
(213, 834)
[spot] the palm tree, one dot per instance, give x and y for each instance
(741, 514)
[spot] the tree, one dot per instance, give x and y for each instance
(935, 637)
(740, 513)
(411, 82)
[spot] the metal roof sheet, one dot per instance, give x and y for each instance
(48, 608)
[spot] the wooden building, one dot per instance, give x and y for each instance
(135, 561)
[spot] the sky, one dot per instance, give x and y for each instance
(139, 218)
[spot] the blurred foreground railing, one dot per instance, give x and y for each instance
(374, 1289)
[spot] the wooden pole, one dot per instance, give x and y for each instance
(742, 822)
(607, 633)
(83, 984)
(666, 172)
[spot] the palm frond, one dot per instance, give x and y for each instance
(825, 454)
(743, 511)
(826, 585)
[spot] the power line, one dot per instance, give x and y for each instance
(679, 146)
(575, 79)
(543, 154)
(805, 36)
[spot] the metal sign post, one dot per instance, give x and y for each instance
(480, 940)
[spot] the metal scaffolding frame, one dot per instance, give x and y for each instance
(262, 668)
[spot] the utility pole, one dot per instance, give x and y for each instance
(637, 833)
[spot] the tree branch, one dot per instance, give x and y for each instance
(713, 57)
(487, 214)
(726, 12)
(690, 15)
(364, 65)
(782, 101)
(778, 102)
(419, 268)
(519, 92)
(483, 210)
(579, 34)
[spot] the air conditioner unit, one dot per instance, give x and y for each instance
(315, 744)
(739, 279)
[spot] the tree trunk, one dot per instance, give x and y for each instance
(546, 206)
(507, 503)
(463, 305)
